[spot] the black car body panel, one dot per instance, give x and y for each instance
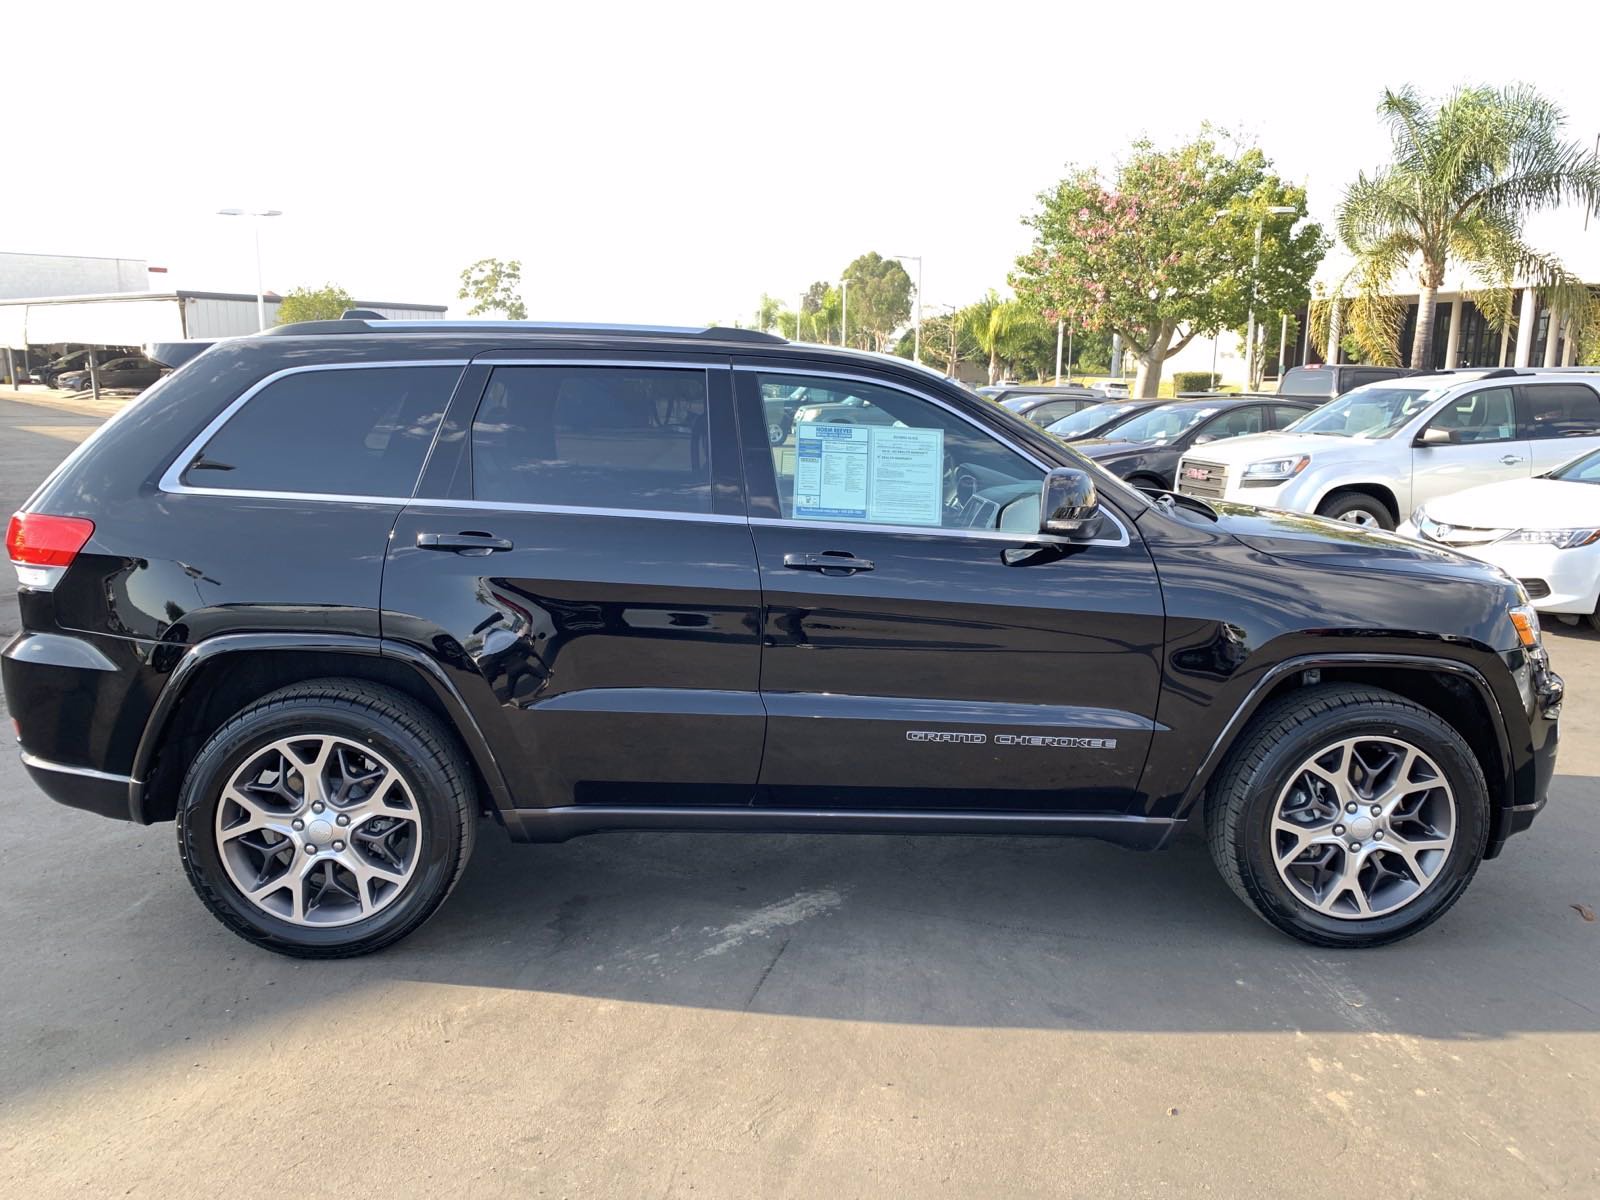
(612, 667)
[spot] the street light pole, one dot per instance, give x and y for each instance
(1061, 329)
(255, 215)
(1255, 271)
(916, 328)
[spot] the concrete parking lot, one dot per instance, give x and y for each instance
(712, 1015)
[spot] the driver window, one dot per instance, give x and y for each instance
(862, 453)
(1233, 424)
(1482, 416)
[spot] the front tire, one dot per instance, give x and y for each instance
(1358, 508)
(1349, 816)
(328, 819)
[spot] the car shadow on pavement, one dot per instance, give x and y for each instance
(959, 931)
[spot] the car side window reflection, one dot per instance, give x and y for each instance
(843, 450)
(1486, 415)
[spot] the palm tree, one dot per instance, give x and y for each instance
(1005, 330)
(1464, 178)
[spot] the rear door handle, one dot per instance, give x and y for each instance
(1510, 460)
(833, 562)
(474, 545)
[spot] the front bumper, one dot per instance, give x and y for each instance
(1570, 578)
(1543, 691)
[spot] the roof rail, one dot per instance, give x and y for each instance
(361, 321)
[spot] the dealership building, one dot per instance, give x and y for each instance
(1462, 336)
(50, 301)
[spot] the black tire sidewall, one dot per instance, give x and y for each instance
(1351, 503)
(1281, 906)
(431, 787)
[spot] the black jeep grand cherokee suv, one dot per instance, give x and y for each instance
(327, 594)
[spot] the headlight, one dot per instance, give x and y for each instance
(1561, 539)
(1275, 470)
(1526, 621)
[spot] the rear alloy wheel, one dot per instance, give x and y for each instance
(1349, 816)
(327, 819)
(1357, 508)
(318, 830)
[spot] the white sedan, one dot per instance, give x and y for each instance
(1543, 531)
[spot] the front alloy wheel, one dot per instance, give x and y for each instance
(318, 830)
(1348, 816)
(1363, 827)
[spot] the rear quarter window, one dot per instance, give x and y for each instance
(333, 431)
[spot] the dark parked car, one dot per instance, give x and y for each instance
(1326, 382)
(1145, 449)
(335, 592)
(118, 373)
(1096, 419)
(1043, 408)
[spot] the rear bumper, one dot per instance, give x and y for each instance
(79, 787)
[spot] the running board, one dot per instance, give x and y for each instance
(559, 824)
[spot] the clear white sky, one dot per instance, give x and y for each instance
(669, 162)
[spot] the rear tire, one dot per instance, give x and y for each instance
(1357, 508)
(1273, 811)
(328, 819)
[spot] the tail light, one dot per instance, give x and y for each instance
(42, 547)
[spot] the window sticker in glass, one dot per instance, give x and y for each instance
(885, 474)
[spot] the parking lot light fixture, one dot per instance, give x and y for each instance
(256, 215)
(916, 328)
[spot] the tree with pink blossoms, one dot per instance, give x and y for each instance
(1161, 253)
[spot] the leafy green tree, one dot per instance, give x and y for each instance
(880, 298)
(1012, 334)
(767, 312)
(1463, 179)
(1163, 252)
(326, 303)
(492, 285)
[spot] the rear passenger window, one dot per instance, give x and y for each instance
(1285, 415)
(1561, 410)
(347, 432)
(594, 437)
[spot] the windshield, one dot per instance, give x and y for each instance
(1161, 424)
(1374, 411)
(1088, 419)
(1580, 470)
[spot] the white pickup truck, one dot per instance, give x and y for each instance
(1376, 453)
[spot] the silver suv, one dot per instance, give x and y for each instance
(1376, 453)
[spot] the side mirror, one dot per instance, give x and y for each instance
(1069, 505)
(1434, 437)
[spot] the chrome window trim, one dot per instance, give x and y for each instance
(44, 764)
(1013, 536)
(172, 482)
(1122, 538)
(577, 510)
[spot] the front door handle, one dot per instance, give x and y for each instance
(471, 544)
(1510, 460)
(831, 562)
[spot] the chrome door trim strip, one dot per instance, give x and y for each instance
(44, 764)
(577, 510)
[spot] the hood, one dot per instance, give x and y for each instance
(1110, 448)
(1318, 541)
(1252, 447)
(1521, 504)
